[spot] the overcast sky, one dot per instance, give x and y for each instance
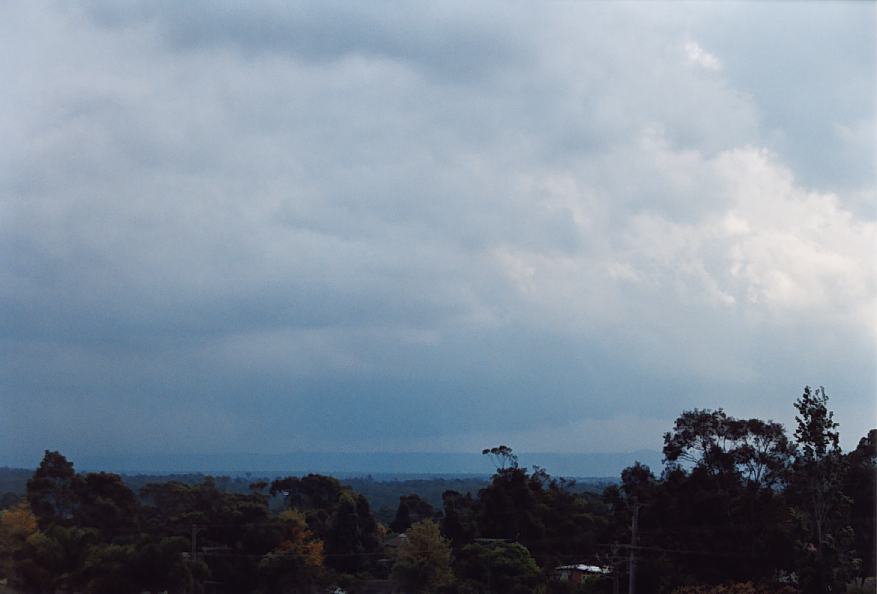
(273, 226)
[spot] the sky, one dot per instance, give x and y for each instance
(430, 227)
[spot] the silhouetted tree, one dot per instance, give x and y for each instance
(460, 518)
(51, 491)
(497, 567)
(816, 488)
(509, 507)
(502, 457)
(859, 488)
(751, 449)
(337, 515)
(296, 564)
(411, 509)
(104, 502)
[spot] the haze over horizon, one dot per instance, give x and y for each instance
(360, 464)
(277, 228)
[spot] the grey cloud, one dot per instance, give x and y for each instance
(437, 39)
(810, 67)
(282, 228)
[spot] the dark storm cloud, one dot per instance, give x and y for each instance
(274, 227)
(451, 42)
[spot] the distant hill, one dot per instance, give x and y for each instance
(14, 480)
(381, 477)
(387, 465)
(382, 490)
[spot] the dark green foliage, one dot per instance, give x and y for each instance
(104, 502)
(296, 564)
(411, 509)
(336, 514)
(112, 570)
(51, 491)
(460, 520)
(423, 563)
(281, 573)
(591, 585)
(509, 507)
(352, 541)
(718, 517)
(56, 559)
(314, 491)
(544, 514)
(385, 493)
(573, 521)
(738, 502)
(737, 506)
(96, 536)
(859, 488)
(497, 567)
(159, 564)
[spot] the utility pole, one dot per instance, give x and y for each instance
(616, 569)
(194, 542)
(634, 523)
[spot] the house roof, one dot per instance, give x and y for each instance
(584, 568)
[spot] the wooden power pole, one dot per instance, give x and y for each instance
(634, 523)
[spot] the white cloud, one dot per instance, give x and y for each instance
(697, 55)
(761, 248)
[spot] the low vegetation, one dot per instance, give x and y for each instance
(739, 507)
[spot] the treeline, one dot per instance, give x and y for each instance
(740, 501)
(739, 507)
(382, 493)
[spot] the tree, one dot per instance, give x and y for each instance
(859, 486)
(159, 564)
(719, 494)
(573, 521)
(56, 559)
(51, 491)
(110, 570)
(534, 509)
(411, 509)
(460, 518)
(498, 567)
(312, 492)
(502, 457)
(17, 524)
(754, 450)
(106, 503)
(816, 433)
(297, 562)
(509, 507)
(236, 526)
(816, 482)
(337, 515)
(736, 588)
(424, 561)
(352, 534)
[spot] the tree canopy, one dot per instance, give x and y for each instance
(738, 507)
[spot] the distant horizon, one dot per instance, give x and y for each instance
(593, 465)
